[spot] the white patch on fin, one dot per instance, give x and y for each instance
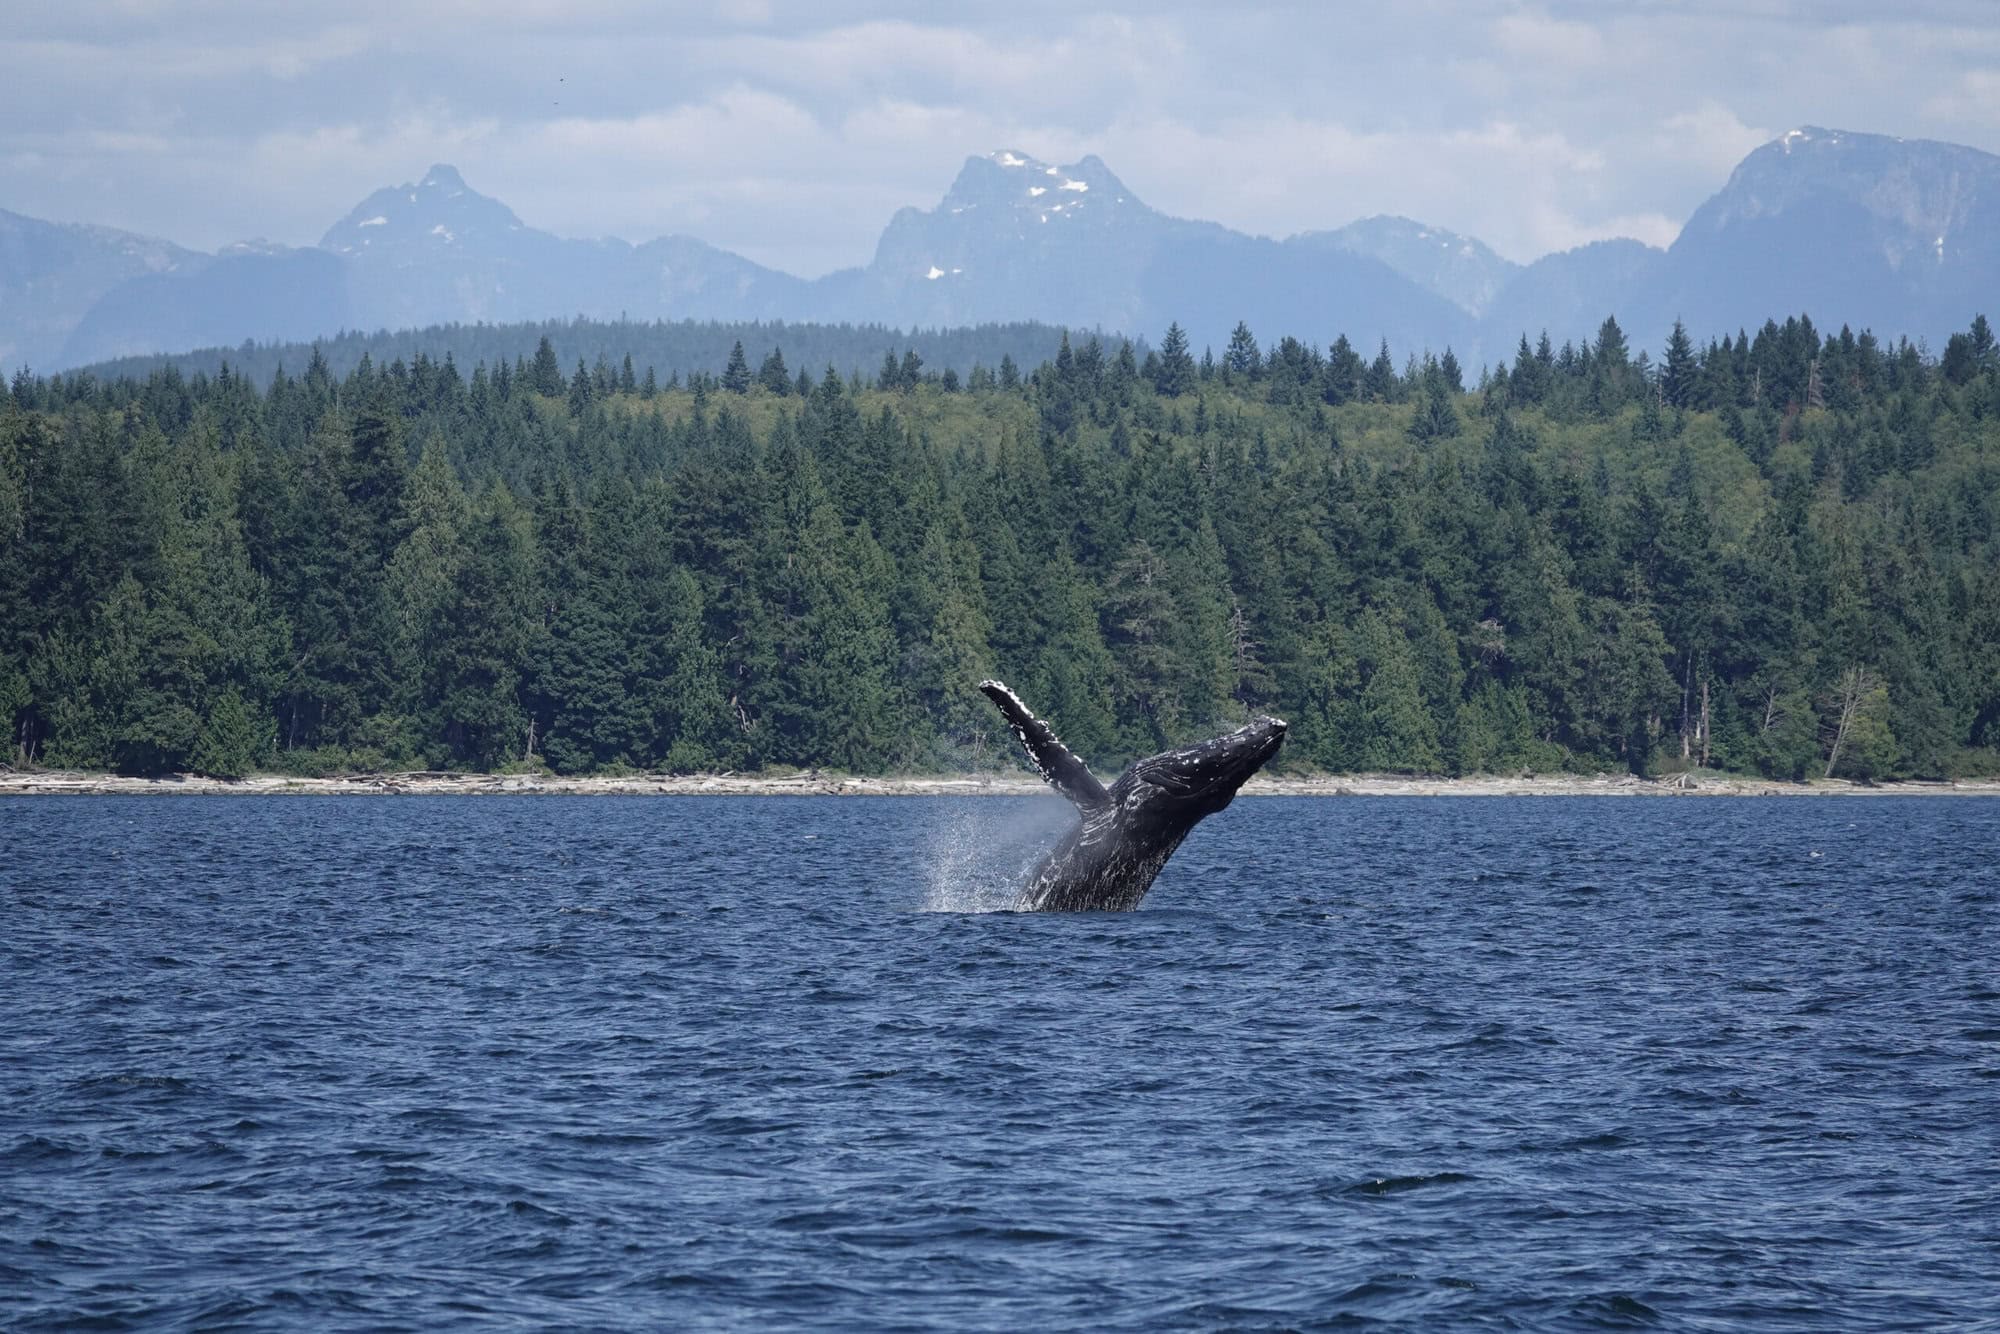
(1060, 767)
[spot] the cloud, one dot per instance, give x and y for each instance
(180, 58)
(699, 134)
(1972, 96)
(1103, 62)
(1548, 43)
(1562, 231)
(1291, 174)
(1711, 137)
(791, 133)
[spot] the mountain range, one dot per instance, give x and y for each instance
(1901, 236)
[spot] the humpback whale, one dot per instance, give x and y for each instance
(1127, 831)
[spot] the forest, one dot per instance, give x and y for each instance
(1772, 553)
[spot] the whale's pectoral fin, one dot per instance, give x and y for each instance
(1064, 771)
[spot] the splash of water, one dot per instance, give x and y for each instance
(979, 851)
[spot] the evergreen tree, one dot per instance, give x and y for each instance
(1074, 669)
(1380, 385)
(736, 375)
(691, 720)
(1148, 678)
(419, 584)
(578, 677)
(234, 741)
(1451, 373)
(1678, 376)
(1342, 379)
(545, 375)
(477, 680)
(828, 698)
(1241, 357)
(1390, 727)
(773, 375)
(1638, 692)
(950, 654)
(1436, 419)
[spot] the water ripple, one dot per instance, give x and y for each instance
(329, 1064)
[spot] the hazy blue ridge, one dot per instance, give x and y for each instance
(1893, 235)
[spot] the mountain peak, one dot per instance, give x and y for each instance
(1900, 228)
(1009, 179)
(1872, 149)
(439, 210)
(1819, 139)
(1461, 269)
(1912, 181)
(992, 176)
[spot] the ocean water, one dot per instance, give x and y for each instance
(683, 1063)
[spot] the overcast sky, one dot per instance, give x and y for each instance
(790, 132)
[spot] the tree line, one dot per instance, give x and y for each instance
(673, 348)
(1772, 554)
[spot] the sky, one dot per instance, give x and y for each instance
(789, 133)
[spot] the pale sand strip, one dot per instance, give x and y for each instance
(58, 783)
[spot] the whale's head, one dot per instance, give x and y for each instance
(1201, 779)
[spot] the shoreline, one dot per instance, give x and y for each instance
(65, 783)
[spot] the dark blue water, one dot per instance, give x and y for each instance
(653, 1062)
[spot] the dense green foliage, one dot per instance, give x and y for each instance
(1771, 554)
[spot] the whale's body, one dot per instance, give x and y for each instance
(1127, 831)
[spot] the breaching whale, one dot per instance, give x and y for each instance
(1127, 831)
